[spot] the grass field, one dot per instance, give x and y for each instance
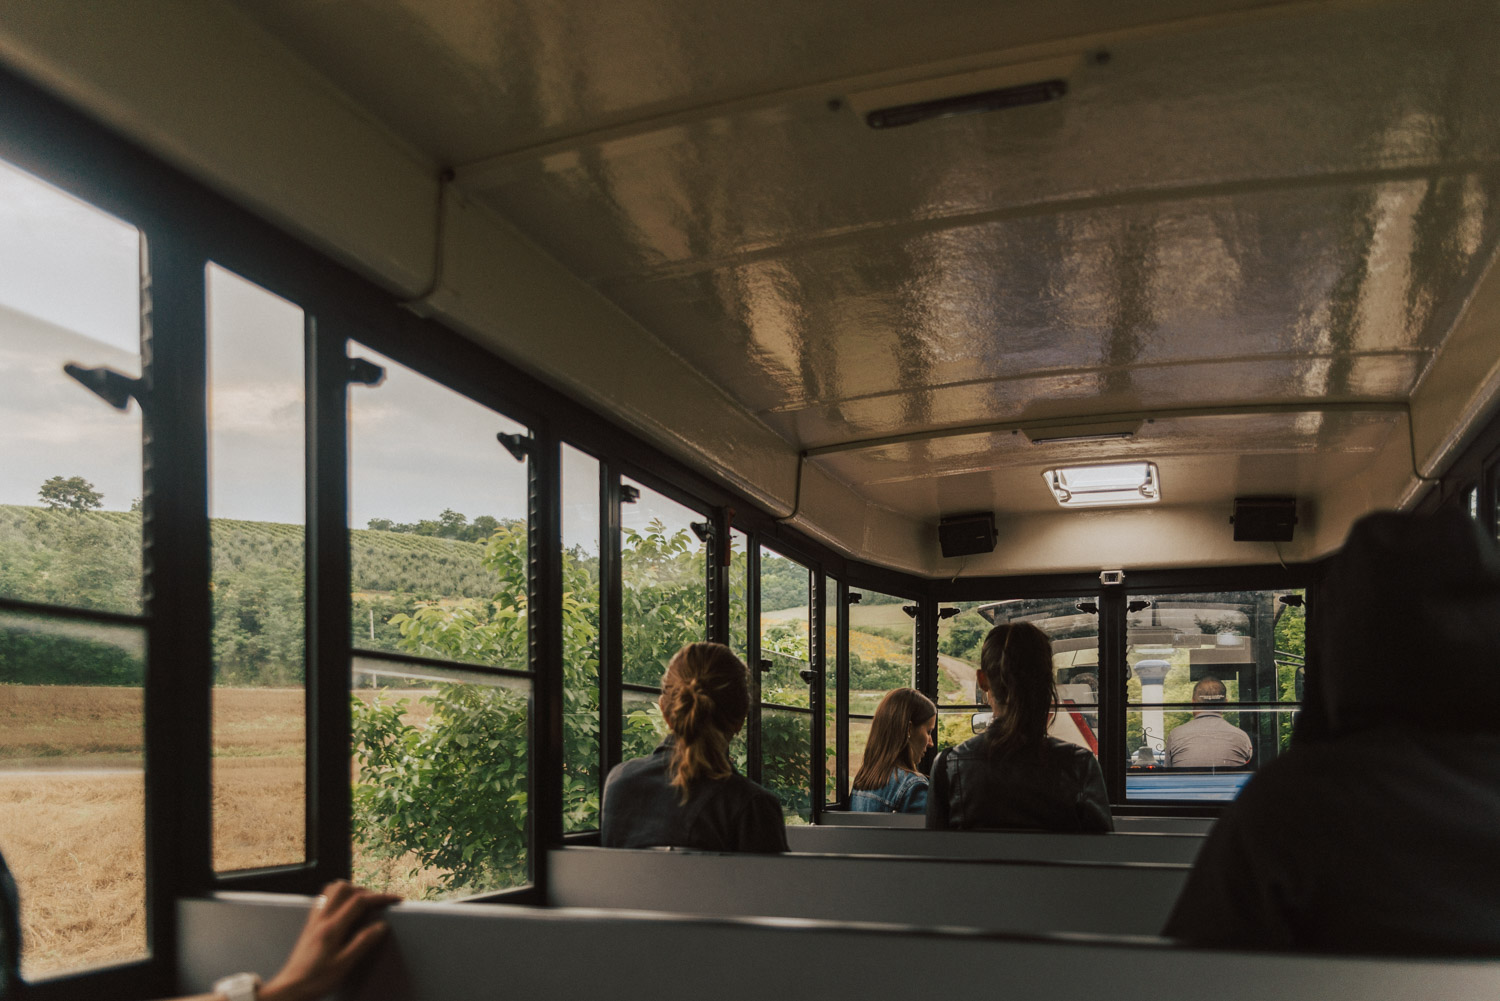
(72, 811)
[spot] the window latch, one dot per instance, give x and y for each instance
(115, 388)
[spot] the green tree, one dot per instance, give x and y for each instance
(450, 791)
(71, 494)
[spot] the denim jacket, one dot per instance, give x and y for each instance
(903, 792)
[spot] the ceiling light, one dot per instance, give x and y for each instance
(1109, 484)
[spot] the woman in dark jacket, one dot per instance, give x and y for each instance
(1014, 775)
(687, 794)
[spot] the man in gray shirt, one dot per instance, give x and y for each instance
(1207, 741)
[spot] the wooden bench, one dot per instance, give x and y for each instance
(1096, 897)
(442, 952)
(1034, 845)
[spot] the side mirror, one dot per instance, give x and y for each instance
(980, 722)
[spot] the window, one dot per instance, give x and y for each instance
(257, 430)
(1071, 623)
(1215, 682)
(882, 656)
(441, 681)
(786, 715)
(72, 636)
(581, 588)
(664, 577)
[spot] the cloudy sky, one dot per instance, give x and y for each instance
(69, 291)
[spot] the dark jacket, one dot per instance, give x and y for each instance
(642, 809)
(1378, 831)
(1060, 790)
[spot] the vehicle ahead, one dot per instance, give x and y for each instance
(754, 303)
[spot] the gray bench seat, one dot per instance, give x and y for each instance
(1128, 824)
(442, 952)
(1037, 845)
(1097, 897)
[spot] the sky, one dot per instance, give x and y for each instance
(69, 292)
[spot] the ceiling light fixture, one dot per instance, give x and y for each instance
(1109, 484)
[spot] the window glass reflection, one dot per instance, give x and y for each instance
(440, 571)
(256, 422)
(1215, 682)
(580, 561)
(70, 464)
(72, 795)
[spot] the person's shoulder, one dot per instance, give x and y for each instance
(634, 768)
(739, 787)
(1068, 751)
(974, 747)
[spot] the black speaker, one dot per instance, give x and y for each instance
(967, 534)
(1264, 519)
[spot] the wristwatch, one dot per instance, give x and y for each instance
(237, 987)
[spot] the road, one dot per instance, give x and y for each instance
(960, 671)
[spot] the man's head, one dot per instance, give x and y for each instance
(1210, 690)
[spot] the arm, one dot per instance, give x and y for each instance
(762, 828)
(334, 940)
(1093, 799)
(916, 797)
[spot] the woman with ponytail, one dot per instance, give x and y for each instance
(1014, 775)
(687, 793)
(900, 734)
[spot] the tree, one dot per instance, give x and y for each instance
(72, 494)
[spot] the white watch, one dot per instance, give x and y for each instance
(237, 987)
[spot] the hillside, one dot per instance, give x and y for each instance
(92, 560)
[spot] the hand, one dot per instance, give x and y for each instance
(334, 939)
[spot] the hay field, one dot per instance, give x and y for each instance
(72, 811)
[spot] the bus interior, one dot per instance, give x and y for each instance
(390, 387)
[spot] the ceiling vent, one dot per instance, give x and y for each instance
(993, 89)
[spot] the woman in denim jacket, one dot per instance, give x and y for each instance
(888, 780)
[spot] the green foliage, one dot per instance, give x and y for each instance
(33, 657)
(449, 793)
(71, 494)
(963, 636)
(783, 583)
(664, 598)
(877, 673)
(87, 559)
(448, 525)
(258, 626)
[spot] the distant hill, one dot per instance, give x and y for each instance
(92, 560)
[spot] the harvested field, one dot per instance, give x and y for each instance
(72, 810)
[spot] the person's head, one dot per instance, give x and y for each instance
(1015, 672)
(1211, 690)
(900, 734)
(705, 695)
(1408, 610)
